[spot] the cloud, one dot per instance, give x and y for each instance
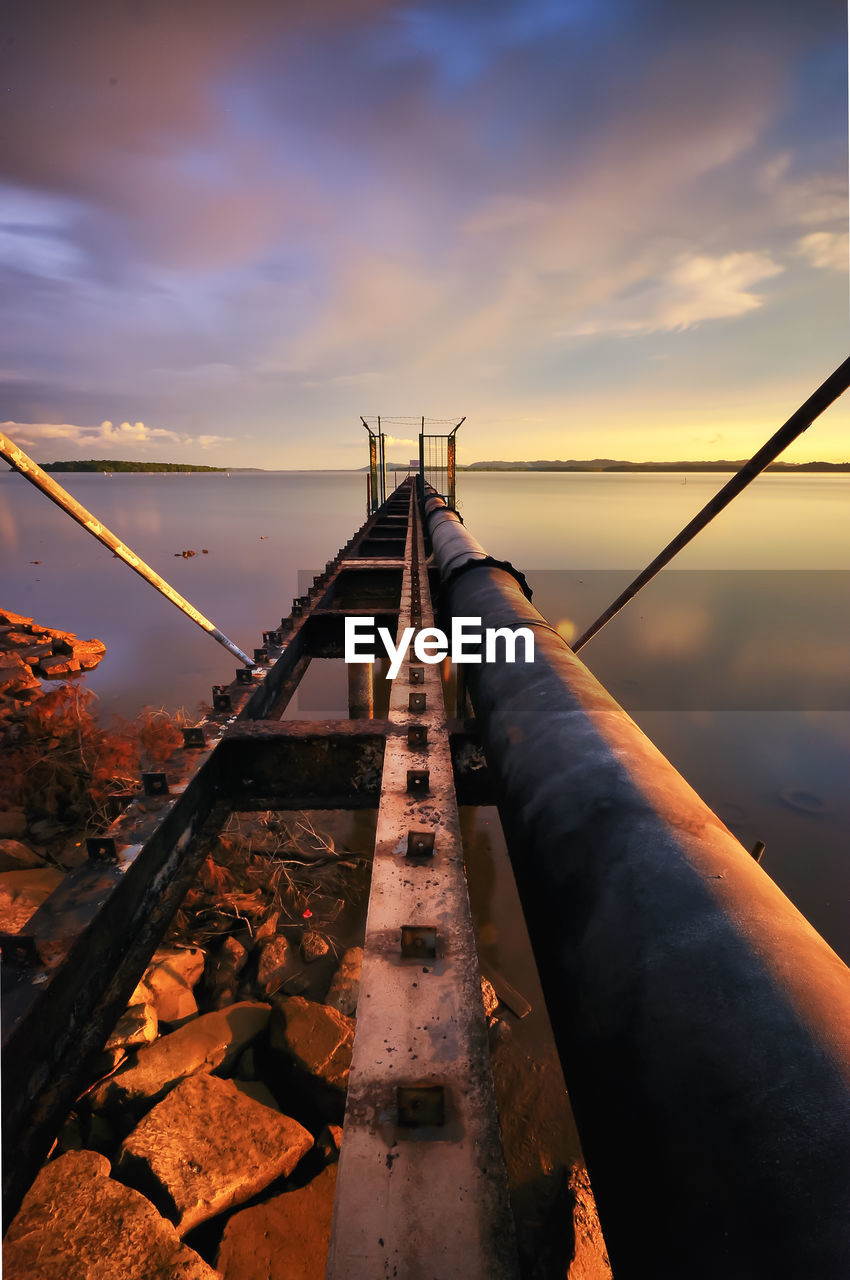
(694, 288)
(825, 249)
(126, 436)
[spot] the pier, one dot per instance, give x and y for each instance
(702, 1025)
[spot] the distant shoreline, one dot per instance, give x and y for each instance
(594, 466)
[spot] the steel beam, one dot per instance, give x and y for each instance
(422, 1189)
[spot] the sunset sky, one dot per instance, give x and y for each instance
(595, 227)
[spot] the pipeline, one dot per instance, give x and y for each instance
(703, 1025)
(31, 471)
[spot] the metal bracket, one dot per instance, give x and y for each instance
(221, 698)
(244, 675)
(417, 675)
(418, 781)
(420, 844)
(101, 848)
(154, 784)
(417, 702)
(417, 736)
(194, 736)
(420, 1105)
(20, 950)
(418, 942)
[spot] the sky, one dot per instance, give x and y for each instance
(596, 228)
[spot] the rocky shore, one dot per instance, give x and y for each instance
(30, 653)
(206, 1144)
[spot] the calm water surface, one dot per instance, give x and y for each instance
(735, 663)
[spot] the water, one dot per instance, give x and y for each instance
(735, 663)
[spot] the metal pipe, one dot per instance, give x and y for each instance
(703, 1025)
(47, 485)
(826, 394)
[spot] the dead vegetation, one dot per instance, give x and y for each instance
(263, 867)
(58, 763)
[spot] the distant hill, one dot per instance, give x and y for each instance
(113, 464)
(611, 464)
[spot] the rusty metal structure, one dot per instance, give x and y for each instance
(68, 975)
(703, 1026)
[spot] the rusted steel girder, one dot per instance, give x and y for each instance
(703, 1025)
(422, 1189)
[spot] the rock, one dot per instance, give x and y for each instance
(329, 1142)
(488, 995)
(17, 640)
(590, 1256)
(15, 676)
(316, 1042)
(77, 1223)
(208, 1147)
(14, 620)
(345, 987)
(88, 653)
(70, 1136)
(22, 893)
(55, 667)
(100, 1136)
(313, 946)
(13, 824)
(213, 1040)
(223, 971)
(272, 965)
(284, 1239)
(246, 1067)
(15, 856)
(258, 1091)
(137, 1025)
(267, 928)
(170, 977)
(45, 829)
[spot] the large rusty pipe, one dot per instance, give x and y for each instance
(702, 1023)
(31, 471)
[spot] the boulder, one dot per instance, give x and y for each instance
(169, 978)
(137, 1025)
(284, 1239)
(208, 1147)
(13, 824)
(313, 946)
(211, 1041)
(315, 1041)
(88, 653)
(345, 987)
(259, 1092)
(222, 972)
(77, 1223)
(15, 856)
(15, 676)
(267, 928)
(23, 892)
(53, 668)
(272, 965)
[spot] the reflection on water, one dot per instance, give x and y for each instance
(740, 678)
